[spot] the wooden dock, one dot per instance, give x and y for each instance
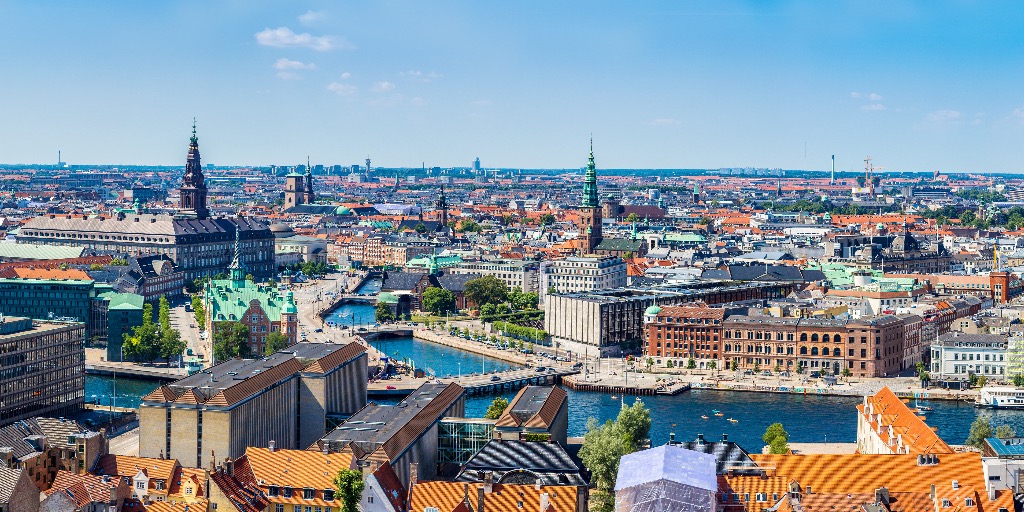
(478, 384)
(614, 389)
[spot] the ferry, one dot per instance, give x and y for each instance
(1001, 397)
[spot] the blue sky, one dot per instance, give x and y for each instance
(920, 86)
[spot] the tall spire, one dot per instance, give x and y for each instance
(236, 268)
(193, 185)
(590, 181)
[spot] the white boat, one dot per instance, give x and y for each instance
(1001, 397)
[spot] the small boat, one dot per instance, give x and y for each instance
(704, 416)
(718, 413)
(614, 397)
(734, 420)
(922, 408)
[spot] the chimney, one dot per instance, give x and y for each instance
(271, 444)
(544, 502)
(882, 497)
(480, 499)
(414, 474)
(671, 437)
(931, 493)
(725, 438)
(229, 465)
(488, 482)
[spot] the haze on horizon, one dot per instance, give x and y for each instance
(919, 86)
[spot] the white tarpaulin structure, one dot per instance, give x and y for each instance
(666, 479)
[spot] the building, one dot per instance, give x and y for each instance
(284, 478)
(514, 273)
(42, 368)
(260, 307)
(590, 207)
(667, 478)
(115, 315)
(298, 189)
(43, 446)
(886, 425)
(198, 244)
(1000, 287)
(86, 493)
(289, 398)
(957, 356)
(538, 411)
(152, 277)
(523, 463)
(899, 253)
(467, 497)
(17, 491)
(581, 274)
(403, 435)
(301, 248)
(593, 324)
(683, 332)
(158, 480)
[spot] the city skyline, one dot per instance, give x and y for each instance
(919, 86)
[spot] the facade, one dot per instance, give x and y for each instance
(17, 491)
(152, 277)
(42, 368)
(298, 189)
(538, 410)
(898, 253)
(682, 332)
(956, 356)
(288, 398)
(1000, 287)
(595, 324)
(590, 207)
(514, 273)
(581, 274)
(43, 446)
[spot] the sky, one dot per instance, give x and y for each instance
(919, 86)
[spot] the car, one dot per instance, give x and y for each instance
(748, 372)
(541, 368)
(495, 378)
(362, 329)
(318, 330)
(784, 374)
(766, 373)
(577, 366)
(815, 375)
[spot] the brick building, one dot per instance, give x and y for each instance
(682, 332)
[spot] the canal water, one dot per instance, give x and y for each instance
(807, 418)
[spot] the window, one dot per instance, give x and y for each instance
(946, 503)
(369, 499)
(328, 494)
(308, 494)
(286, 492)
(273, 490)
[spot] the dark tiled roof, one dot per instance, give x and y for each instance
(533, 406)
(8, 481)
(244, 497)
(619, 244)
(455, 282)
(55, 431)
(728, 455)
(423, 420)
(546, 460)
(401, 280)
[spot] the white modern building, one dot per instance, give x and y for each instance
(956, 355)
(514, 273)
(581, 274)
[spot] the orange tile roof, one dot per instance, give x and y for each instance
(296, 468)
(446, 496)
(127, 466)
(51, 273)
(888, 410)
(166, 506)
(863, 473)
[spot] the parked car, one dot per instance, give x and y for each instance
(495, 378)
(541, 368)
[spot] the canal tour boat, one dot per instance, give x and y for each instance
(1001, 397)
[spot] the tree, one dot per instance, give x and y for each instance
(275, 342)
(95, 266)
(384, 313)
(420, 228)
(712, 365)
(634, 425)
(735, 365)
(164, 313)
(438, 301)
(486, 290)
(171, 344)
(547, 219)
(632, 217)
(497, 407)
(981, 380)
(981, 429)
(143, 342)
(649, 363)
(601, 451)
(846, 373)
(1018, 380)
(691, 363)
(469, 226)
(199, 311)
(757, 365)
(349, 484)
(778, 446)
(774, 430)
(1005, 432)
(230, 340)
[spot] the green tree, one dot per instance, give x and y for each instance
(383, 313)
(143, 342)
(1018, 380)
(632, 217)
(547, 219)
(230, 340)
(438, 301)
(199, 311)
(171, 344)
(757, 366)
(634, 425)
(774, 430)
(349, 484)
(95, 266)
(846, 373)
(275, 342)
(981, 429)
(778, 446)
(691, 363)
(469, 226)
(486, 290)
(497, 407)
(981, 380)
(1005, 432)
(735, 365)
(164, 313)
(649, 363)
(602, 449)
(712, 365)
(420, 228)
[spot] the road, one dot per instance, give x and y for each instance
(185, 322)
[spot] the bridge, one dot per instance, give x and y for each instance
(476, 384)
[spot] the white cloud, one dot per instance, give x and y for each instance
(384, 86)
(288, 75)
(874, 97)
(311, 16)
(286, 64)
(420, 76)
(346, 75)
(341, 89)
(1018, 114)
(874, 107)
(283, 37)
(943, 116)
(663, 121)
(856, 95)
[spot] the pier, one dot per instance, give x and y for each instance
(644, 389)
(478, 384)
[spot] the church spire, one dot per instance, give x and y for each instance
(193, 185)
(590, 181)
(236, 268)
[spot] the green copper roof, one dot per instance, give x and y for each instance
(228, 300)
(122, 301)
(387, 298)
(685, 237)
(438, 261)
(590, 181)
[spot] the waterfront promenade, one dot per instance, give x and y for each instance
(96, 364)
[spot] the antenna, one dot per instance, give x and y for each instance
(833, 182)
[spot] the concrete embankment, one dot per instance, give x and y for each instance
(475, 347)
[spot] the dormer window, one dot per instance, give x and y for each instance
(328, 494)
(969, 502)
(286, 492)
(946, 503)
(273, 490)
(159, 484)
(308, 494)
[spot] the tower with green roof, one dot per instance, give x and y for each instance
(590, 208)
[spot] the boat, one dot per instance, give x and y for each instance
(1001, 397)
(614, 397)
(704, 416)
(718, 413)
(922, 408)
(715, 411)
(734, 420)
